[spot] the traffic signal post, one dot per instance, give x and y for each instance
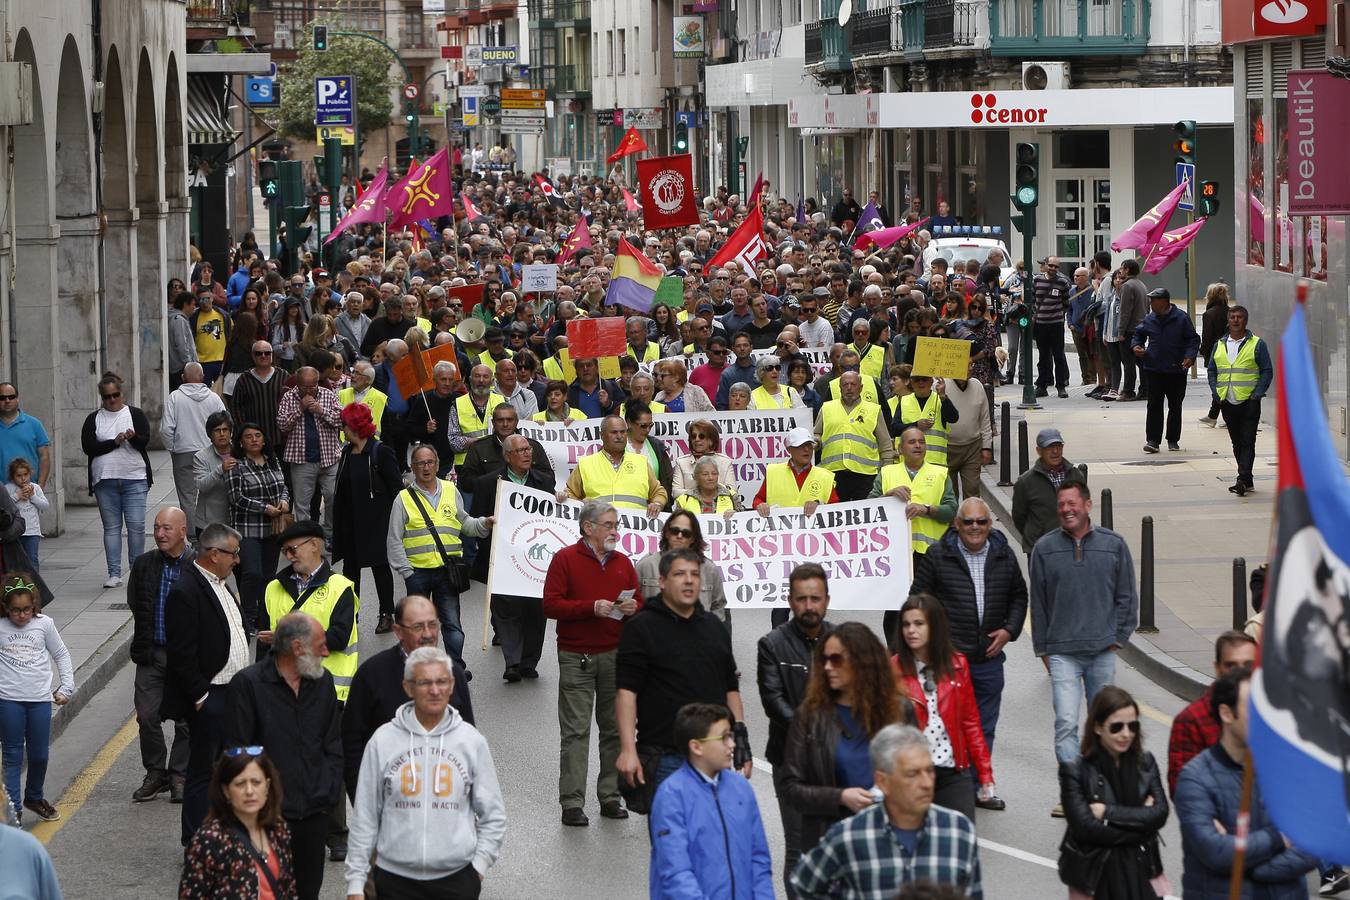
(412, 115)
(1026, 197)
(1184, 146)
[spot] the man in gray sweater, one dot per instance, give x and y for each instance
(1084, 606)
(1133, 308)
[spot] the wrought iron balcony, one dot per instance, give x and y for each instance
(812, 43)
(871, 32)
(1063, 28)
(576, 11)
(572, 80)
(834, 39)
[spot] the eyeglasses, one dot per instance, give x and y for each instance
(728, 738)
(253, 750)
(982, 520)
(1118, 727)
(677, 531)
(424, 683)
(4, 397)
(225, 551)
(113, 396)
(835, 660)
(424, 462)
(293, 549)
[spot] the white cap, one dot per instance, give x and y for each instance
(798, 437)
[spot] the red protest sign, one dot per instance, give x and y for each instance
(470, 295)
(593, 338)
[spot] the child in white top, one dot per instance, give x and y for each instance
(28, 496)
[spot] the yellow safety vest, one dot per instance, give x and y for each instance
(651, 404)
(1236, 378)
(693, 504)
(762, 399)
(926, 487)
(849, 440)
(470, 425)
(650, 355)
(320, 603)
(374, 401)
(418, 544)
(625, 487)
(780, 485)
(873, 361)
(486, 359)
(425, 325)
(560, 368)
(543, 416)
(868, 392)
(935, 437)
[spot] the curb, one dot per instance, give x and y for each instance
(1156, 665)
(94, 674)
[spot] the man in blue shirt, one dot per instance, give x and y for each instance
(21, 435)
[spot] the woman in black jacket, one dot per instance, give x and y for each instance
(851, 696)
(114, 438)
(367, 483)
(1115, 805)
(1213, 325)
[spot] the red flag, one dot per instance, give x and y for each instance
(629, 203)
(579, 239)
(631, 142)
(471, 212)
(469, 295)
(668, 184)
(426, 192)
(593, 338)
(549, 191)
(759, 187)
(371, 206)
(745, 244)
(1171, 245)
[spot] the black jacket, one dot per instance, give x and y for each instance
(199, 642)
(143, 594)
(92, 446)
(341, 621)
(485, 456)
(359, 515)
(808, 782)
(377, 691)
(943, 573)
(783, 667)
(1128, 830)
(485, 504)
(301, 733)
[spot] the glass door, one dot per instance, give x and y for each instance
(1082, 210)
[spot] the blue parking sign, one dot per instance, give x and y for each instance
(334, 100)
(261, 92)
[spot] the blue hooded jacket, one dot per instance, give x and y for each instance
(1167, 340)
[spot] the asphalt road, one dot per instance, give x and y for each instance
(112, 848)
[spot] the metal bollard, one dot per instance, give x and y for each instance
(1239, 593)
(989, 396)
(1023, 452)
(1147, 624)
(1108, 512)
(1005, 447)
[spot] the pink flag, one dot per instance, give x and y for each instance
(1171, 245)
(370, 208)
(425, 192)
(884, 237)
(579, 239)
(1145, 233)
(628, 202)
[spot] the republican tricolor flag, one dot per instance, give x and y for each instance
(634, 280)
(1299, 727)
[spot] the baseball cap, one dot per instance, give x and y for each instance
(1164, 293)
(319, 273)
(798, 437)
(1047, 437)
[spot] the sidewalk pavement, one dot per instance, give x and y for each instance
(95, 623)
(1198, 526)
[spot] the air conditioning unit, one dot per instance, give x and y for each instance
(1045, 76)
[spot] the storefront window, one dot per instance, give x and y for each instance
(1256, 184)
(1284, 226)
(1315, 247)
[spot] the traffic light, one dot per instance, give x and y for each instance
(1184, 145)
(321, 37)
(681, 137)
(267, 178)
(1026, 187)
(1209, 198)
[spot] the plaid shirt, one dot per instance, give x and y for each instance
(975, 563)
(1194, 731)
(167, 576)
(251, 489)
(291, 421)
(861, 859)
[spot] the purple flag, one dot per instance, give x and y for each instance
(370, 208)
(1144, 234)
(1171, 245)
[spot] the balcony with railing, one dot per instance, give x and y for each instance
(812, 40)
(871, 32)
(572, 80)
(832, 39)
(575, 12)
(1068, 27)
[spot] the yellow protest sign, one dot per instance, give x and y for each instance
(942, 357)
(609, 367)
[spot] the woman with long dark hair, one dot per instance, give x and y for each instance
(682, 531)
(850, 696)
(936, 679)
(244, 846)
(1114, 805)
(239, 349)
(367, 483)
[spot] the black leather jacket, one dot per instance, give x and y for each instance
(1129, 828)
(784, 664)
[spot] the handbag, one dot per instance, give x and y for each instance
(1079, 868)
(456, 570)
(281, 523)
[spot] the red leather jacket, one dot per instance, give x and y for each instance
(960, 715)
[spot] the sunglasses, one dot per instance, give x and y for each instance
(113, 396)
(262, 352)
(677, 531)
(236, 752)
(1118, 727)
(9, 396)
(982, 520)
(835, 659)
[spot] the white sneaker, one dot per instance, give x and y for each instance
(113, 581)
(1206, 420)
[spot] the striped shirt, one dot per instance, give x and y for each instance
(861, 858)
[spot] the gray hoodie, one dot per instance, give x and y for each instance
(427, 802)
(183, 425)
(182, 347)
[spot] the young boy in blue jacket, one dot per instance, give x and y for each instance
(707, 837)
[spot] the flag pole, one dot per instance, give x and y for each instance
(1243, 827)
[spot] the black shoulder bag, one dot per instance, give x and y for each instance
(456, 569)
(262, 863)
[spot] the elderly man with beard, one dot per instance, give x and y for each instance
(286, 704)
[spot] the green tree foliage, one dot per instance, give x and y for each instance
(367, 61)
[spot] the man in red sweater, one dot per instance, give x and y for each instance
(591, 589)
(1195, 729)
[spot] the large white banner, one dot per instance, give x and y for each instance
(752, 438)
(818, 357)
(864, 547)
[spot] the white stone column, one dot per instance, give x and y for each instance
(176, 259)
(35, 368)
(153, 314)
(121, 298)
(78, 333)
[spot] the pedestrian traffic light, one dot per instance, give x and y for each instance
(1027, 177)
(267, 178)
(1209, 198)
(681, 137)
(1184, 145)
(320, 37)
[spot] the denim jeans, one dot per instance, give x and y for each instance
(25, 722)
(121, 499)
(32, 542)
(435, 583)
(1070, 675)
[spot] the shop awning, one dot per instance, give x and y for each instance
(206, 122)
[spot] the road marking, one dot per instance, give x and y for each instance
(986, 844)
(85, 782)
(1156, 715)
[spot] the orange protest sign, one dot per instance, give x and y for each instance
(412, 373)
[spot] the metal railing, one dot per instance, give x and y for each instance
(813, 43)
(911, 21)
(871, 32)
(1077, 26)
(572, 10)
(572, 79)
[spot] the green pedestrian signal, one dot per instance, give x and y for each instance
(269, 188)
(320, 37)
